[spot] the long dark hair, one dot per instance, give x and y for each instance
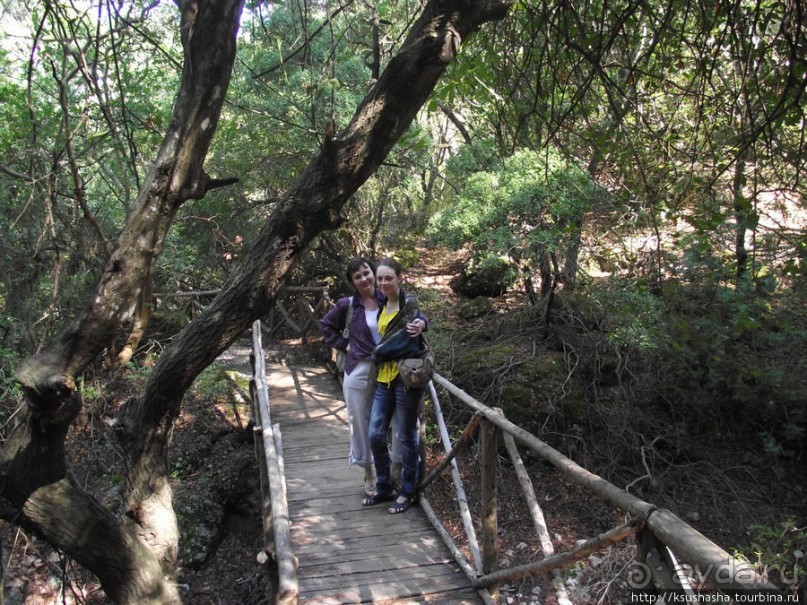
(392, 264)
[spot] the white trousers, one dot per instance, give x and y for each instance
(358, 389)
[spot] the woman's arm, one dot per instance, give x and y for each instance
(333, 323)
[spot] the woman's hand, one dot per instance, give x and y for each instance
(415, 327)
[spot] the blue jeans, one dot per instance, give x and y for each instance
(387, 400)
(358, 389)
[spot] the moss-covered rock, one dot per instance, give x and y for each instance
(484, 359)
(478, 307)
(529, 388)
(582, 307)
(200, 517)
(491, 277)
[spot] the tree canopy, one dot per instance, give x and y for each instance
(651, 155)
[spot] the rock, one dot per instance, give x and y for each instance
(201, 521)
(489, 277)
(478, 307)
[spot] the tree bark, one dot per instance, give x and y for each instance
(741, 212)
(310, 206)
(135, 564)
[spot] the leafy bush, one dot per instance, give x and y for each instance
(10, 392)
(486, 276)
(779, 553)
(722, 360)
(633, 315)
(530, 204)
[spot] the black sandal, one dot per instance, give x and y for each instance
(396, 508)
(377, 498)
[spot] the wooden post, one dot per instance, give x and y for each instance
(260, 455)
(459, 488)
(460, 445)
(301, 312)
(288, 589)
(688, 543)
(555, 561)
(267, 557)
(537, 515)
(308, 314)
(660, 567)
(286, 317)
(488, 460)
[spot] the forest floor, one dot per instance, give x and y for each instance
(717, 489)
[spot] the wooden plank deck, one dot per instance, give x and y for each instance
(347, 553)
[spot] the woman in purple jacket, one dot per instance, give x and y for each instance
(359, 383)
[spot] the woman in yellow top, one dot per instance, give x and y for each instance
(400, 326)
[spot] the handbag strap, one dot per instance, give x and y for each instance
(348, 319)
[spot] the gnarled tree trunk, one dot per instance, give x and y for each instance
(143, 544)
(133, 563)
(309, 207)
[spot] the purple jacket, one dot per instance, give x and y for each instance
(361, 340)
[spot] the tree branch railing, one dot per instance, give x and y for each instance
(659, 532)
(297, 308)
(308, 314)
(278, 553)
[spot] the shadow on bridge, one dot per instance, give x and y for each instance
(329, 549)
(346, 553)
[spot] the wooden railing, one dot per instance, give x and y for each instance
(309, 303)
(296, 311)
(661, 536)
(187, 303)
(277, 555)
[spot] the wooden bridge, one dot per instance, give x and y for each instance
(322, 546)
(346, 553)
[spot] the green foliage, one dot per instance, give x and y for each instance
(632, 315)
(212, 383)
(779, 553)
(408, 257)
(10, 391)
(481, 156)
(688, 129)
(62, 210)
(529, 205)
(723, 359)
(137, 373)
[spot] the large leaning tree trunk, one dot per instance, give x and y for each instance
(310, 206)
(132, 555)
(38, 492)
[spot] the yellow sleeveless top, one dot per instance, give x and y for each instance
(387, 370)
